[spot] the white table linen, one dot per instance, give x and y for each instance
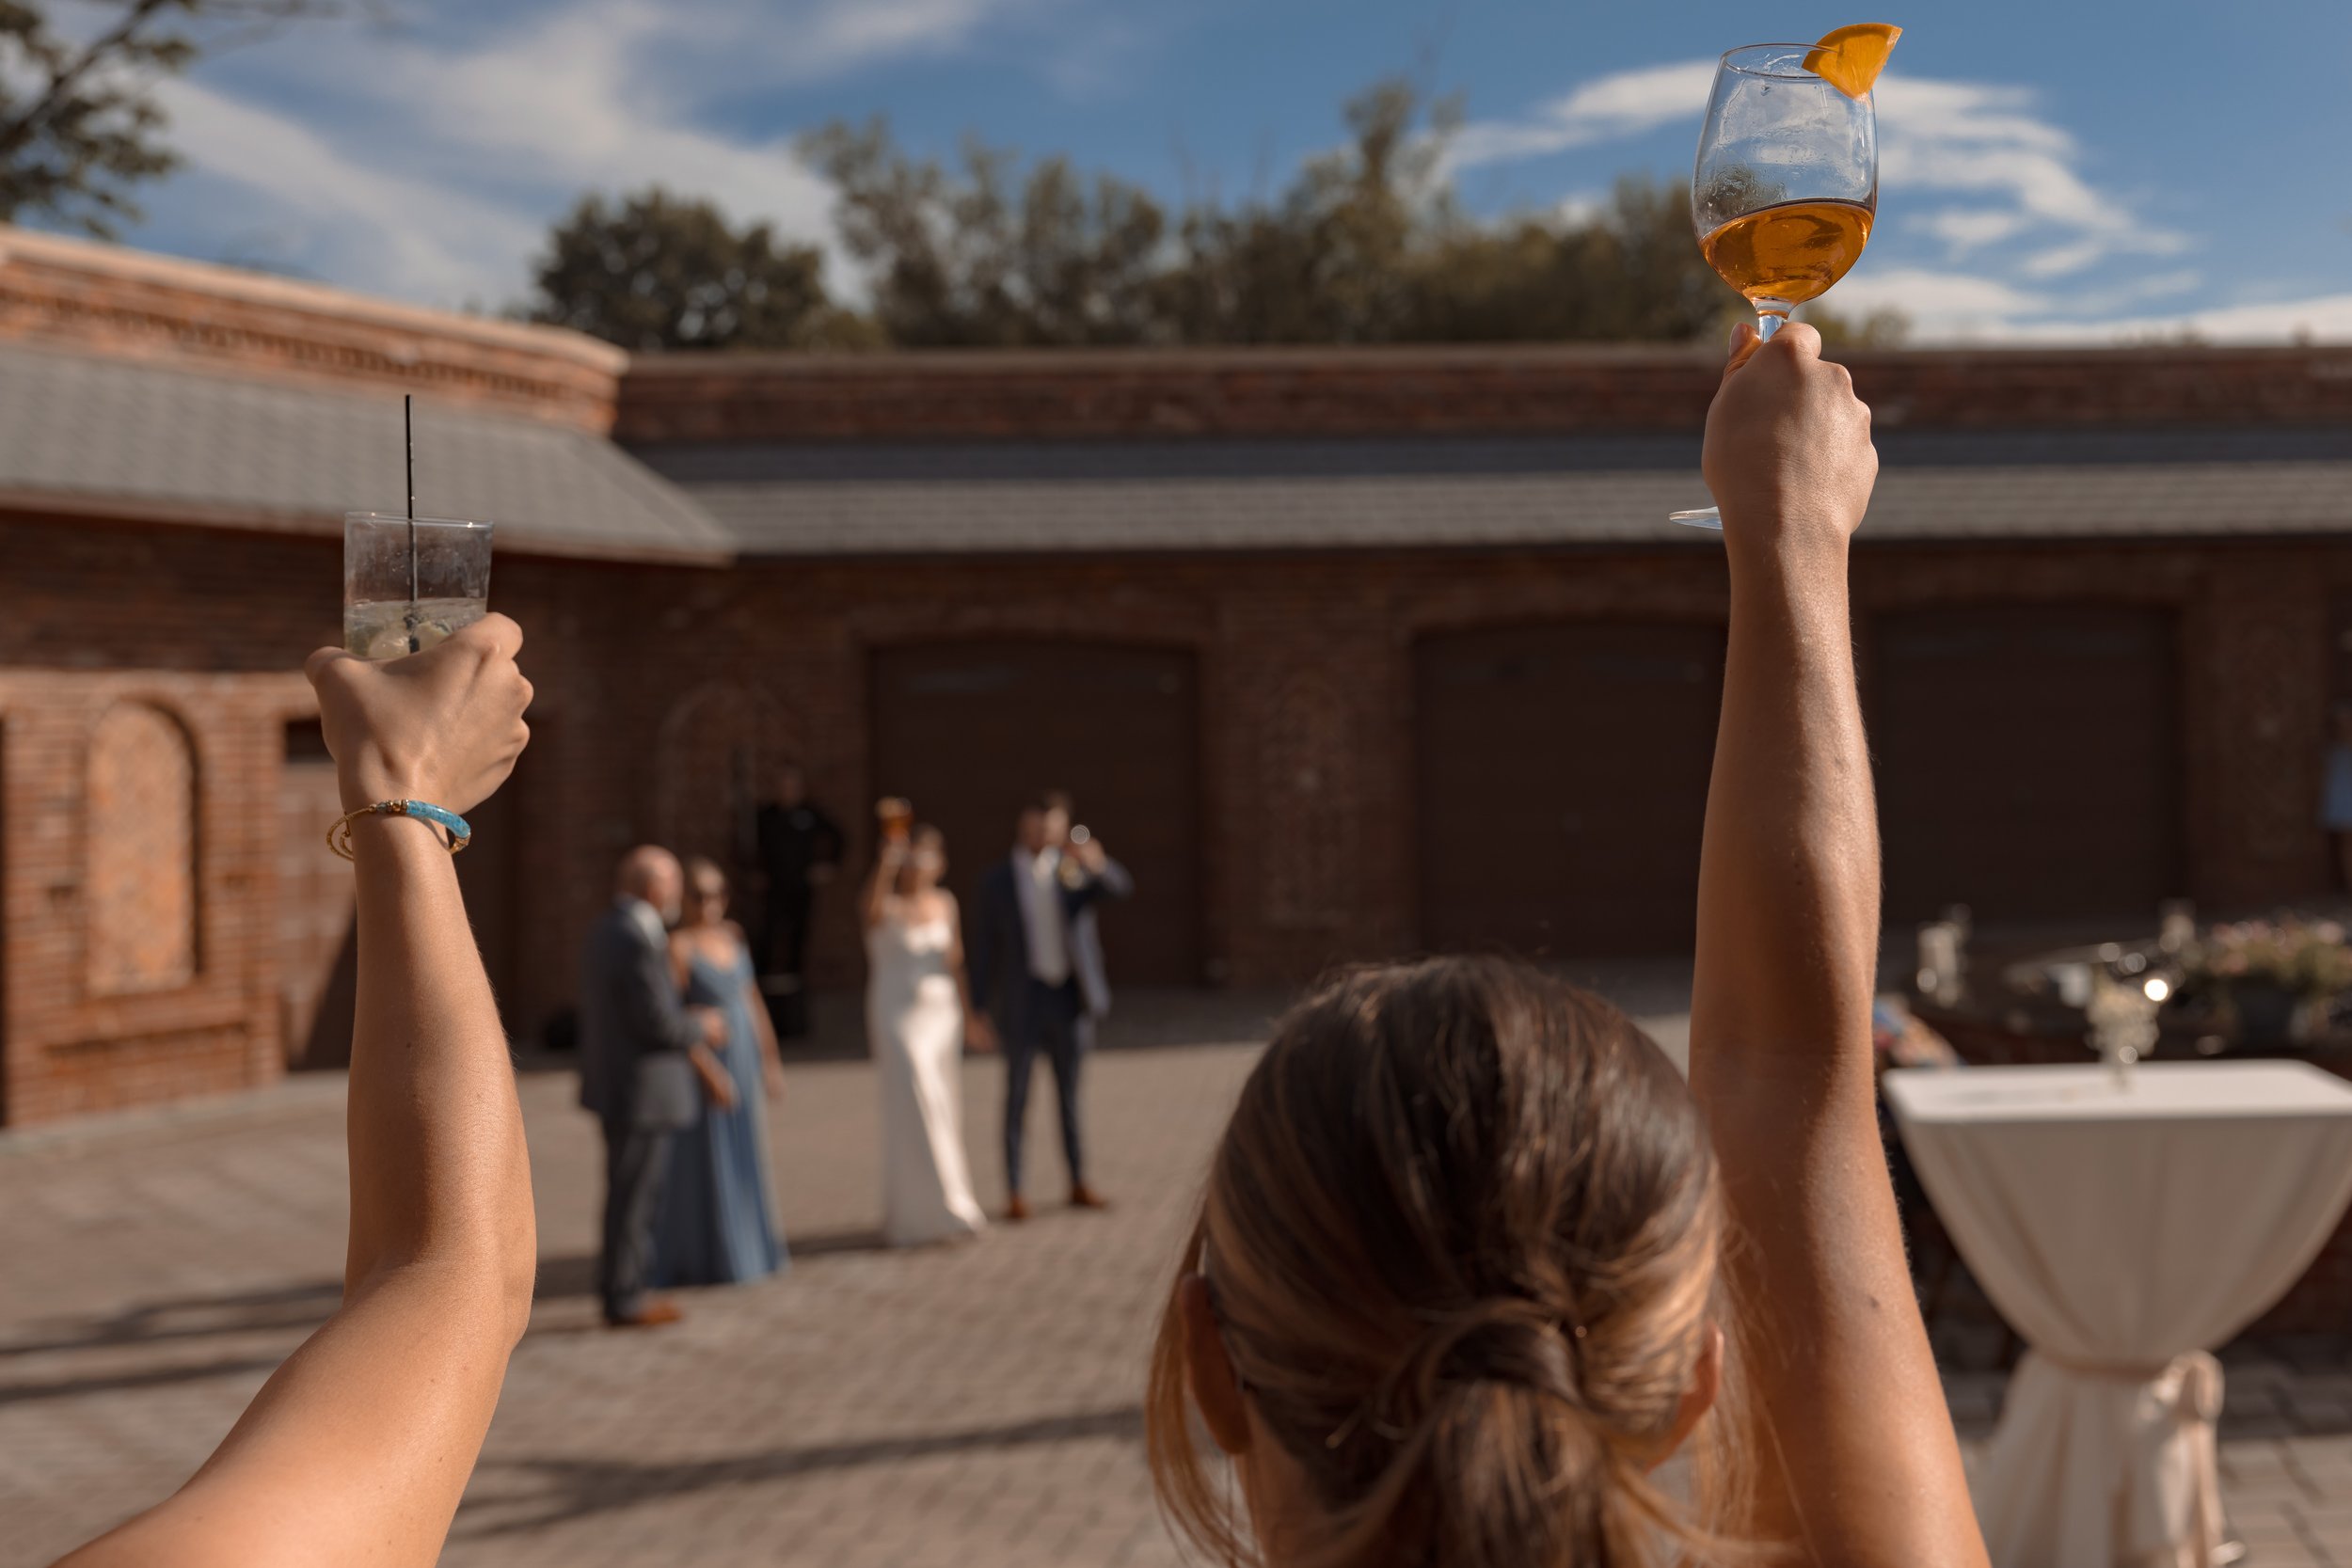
(2123, 1233)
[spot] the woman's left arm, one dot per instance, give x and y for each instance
(357, 1450)
(771, 1053)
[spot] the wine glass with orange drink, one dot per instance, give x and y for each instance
(1787, 183)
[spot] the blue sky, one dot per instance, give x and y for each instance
(2059, 170)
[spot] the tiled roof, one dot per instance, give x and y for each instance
(96, 435)
(847, 498)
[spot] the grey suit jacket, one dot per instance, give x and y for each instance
(634, 1030)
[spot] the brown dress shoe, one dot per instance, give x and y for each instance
(654, 1314)
(1084, 1197)
(1016, 1208)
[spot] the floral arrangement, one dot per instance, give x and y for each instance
(2309, 960)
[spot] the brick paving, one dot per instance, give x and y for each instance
(965, 1405)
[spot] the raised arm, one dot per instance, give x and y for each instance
(881, 884)
(1862, 1465)
(357, 1450)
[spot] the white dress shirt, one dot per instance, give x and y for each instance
(1037, 879)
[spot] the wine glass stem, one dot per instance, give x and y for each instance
(1771, 316)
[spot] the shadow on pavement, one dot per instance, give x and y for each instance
(152, 1377)
(576, 1274)
(580, 1488)
(300, 1307)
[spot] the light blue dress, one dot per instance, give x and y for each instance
(717, 1225)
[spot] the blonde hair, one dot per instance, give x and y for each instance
(1461, 1237)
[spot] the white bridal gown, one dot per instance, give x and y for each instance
(915, 1020)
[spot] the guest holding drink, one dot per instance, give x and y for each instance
(1473, 1261)
(919, 1012)
(357, 1448)
(717, 1223)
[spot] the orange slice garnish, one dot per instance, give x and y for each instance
(1851, 59)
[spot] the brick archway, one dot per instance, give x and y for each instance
(717, 751)
(140, 848)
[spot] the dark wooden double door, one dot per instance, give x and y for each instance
(2028, 764)
(970, 730)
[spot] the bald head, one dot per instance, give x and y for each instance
(651, 873)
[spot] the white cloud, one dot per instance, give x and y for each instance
(852, 32)
(1940, 305)
(1626, 104)
(1577, 209)
(1985, 141)
(437, 178)
(1967, 228)
(374, 229)
(2321, 318)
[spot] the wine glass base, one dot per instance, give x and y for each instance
(1705, 517)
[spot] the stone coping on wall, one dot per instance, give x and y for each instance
(136, 304)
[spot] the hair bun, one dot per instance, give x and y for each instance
(1506, 1339)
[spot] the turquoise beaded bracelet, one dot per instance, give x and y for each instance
(460, 833)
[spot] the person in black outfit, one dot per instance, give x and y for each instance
(799, 849)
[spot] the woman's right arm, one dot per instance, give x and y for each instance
(1848, 1415)
(874, 903)
(357, 1450)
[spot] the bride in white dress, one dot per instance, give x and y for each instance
(917, 1007)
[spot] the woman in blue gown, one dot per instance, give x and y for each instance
(717, 1225)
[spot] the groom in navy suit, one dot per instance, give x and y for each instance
(1024, 975)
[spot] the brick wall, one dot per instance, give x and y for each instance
(1302, 661)
(960, 395)
(1318, 652)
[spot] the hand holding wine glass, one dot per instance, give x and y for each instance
(1787, 183)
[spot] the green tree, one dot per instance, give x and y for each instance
(984, 256)
(1365, 244)
(655, 271)
(79, 126)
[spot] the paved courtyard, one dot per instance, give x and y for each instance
(972, 1406)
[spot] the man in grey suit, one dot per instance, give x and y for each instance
(641, 1051)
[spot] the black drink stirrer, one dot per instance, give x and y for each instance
(408, 433)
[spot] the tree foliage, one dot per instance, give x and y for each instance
(653, 271)
(1365, 244)
(79, 126)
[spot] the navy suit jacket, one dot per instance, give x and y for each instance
(998, 944)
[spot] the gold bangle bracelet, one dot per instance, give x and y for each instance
(460, 833)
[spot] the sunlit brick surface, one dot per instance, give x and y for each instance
(141, 815)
